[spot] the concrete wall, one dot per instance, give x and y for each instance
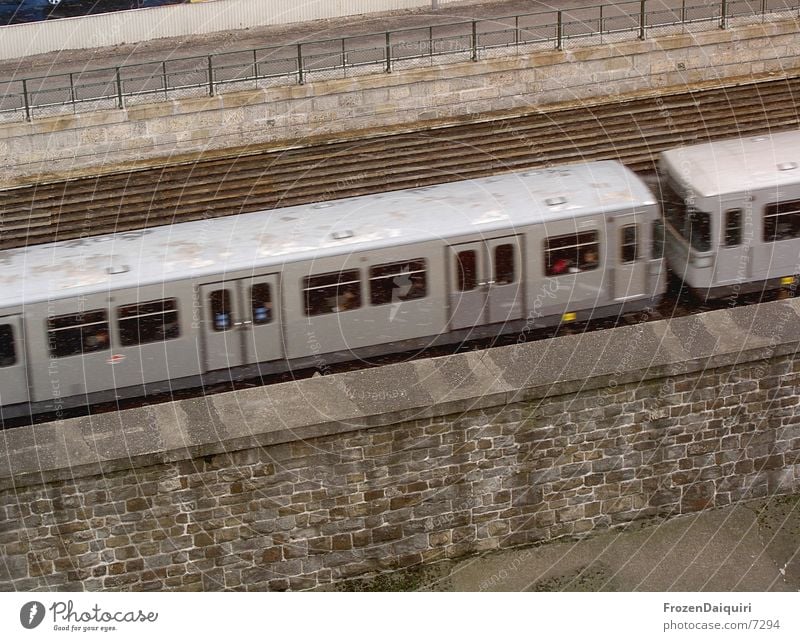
(298, 485)
(126, 27)
(105, 141)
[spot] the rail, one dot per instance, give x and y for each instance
(208, 75)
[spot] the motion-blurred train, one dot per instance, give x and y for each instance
(19, 11)
(134, 313)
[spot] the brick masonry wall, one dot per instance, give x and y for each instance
(448, 91)
(307, 512)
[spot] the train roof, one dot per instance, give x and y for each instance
(275, 237)
(737, 165)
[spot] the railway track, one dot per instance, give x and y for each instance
(633, 131)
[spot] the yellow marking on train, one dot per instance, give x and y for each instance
(569, 317)
(787, 280)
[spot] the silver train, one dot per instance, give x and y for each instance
(732, 214)
(135, 313)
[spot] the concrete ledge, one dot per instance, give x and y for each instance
(421, 389)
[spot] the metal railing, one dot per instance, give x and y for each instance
(208, 75)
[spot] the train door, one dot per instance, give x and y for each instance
(240, 321)
(485, 282)
(630, 264)
(13, 375)
(732, 262)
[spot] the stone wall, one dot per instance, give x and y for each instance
(298, 485)
(429, 96)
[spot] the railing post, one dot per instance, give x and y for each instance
(474, 41)
(723, 18)
(344, 56)
(255, 66)
(559, 32)
(763, 10)
(388, 53)
(683, 12)
(601, 23)
(642, 21)
(516, 31)
(120, 102)
(164, 77)
(72, 89)
(299, 63)
(210, 77)
(430, 42)
(26, 100)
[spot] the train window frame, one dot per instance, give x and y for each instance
(414, 269)
(127, 314)
(318, 287)
(783, 213)
(8, 346)
(61, 333)
(572, 253)
(730, 238)
(462, 273)
(264, 313)
(504, 277)
(629, 248)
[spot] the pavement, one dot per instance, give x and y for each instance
(749, 547)
(172, 48)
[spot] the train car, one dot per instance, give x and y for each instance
(132, 313)
(77, 8)
(732, 214)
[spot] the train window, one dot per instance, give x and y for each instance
(78, 333)
(699, 229)
(8, 353)
(328, 293)
(694, 225)
(261, 303)
(782, 221)
(673, 206)
(504, 265)
(397, 282)
(630, 249)
(571, 253)
(659, 232)
(467, 267)
(220, 302)
(733, 227)
(149, 322)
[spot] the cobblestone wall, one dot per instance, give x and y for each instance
(309, 511)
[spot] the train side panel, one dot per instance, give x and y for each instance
(347, 302)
